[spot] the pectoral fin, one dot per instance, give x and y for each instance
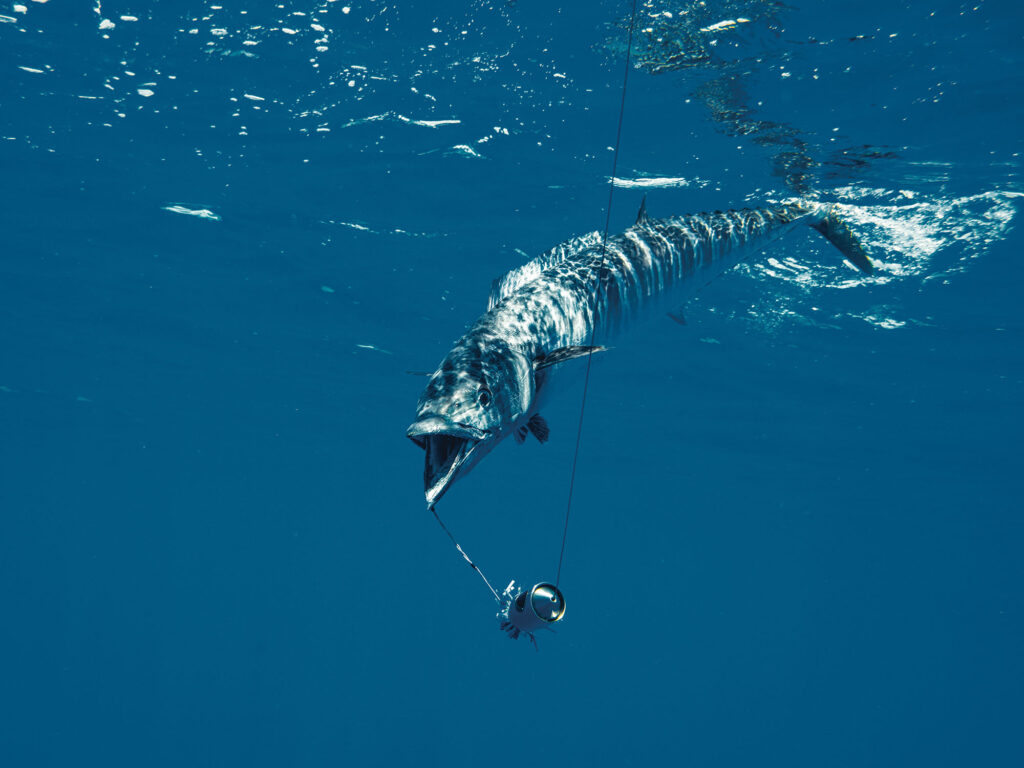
(562, 355)
(539, 427)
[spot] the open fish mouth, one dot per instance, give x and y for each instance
(448, 446)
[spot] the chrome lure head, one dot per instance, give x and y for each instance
(472, 401)
(527, 611)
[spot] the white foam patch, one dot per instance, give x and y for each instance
(374, 348)
(463, 150)
(353, 225)
(725, 25)
(202, 213)
(435, 123)
(399, 118)
(385, 231)
(659, 182)
(881, 321)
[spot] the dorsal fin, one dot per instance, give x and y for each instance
(530, 271)
(641, 215)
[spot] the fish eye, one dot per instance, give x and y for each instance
(484, 396)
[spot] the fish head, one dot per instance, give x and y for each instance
(482, 388)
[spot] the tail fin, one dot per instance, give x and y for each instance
(838, 232)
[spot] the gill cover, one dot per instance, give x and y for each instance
(474, 399)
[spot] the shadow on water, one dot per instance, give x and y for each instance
(719, 50)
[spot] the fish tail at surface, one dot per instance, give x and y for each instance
(831, 224)
(655, 255)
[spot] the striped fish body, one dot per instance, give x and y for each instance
(545, 313)
(582, 289)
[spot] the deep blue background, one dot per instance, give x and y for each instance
(796, 532)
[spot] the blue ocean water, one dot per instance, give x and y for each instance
(228, 232)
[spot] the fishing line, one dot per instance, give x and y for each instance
(600, 280)
(462, 552)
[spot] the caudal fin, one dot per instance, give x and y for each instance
(838, 232)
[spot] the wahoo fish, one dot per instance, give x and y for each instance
(545, 314)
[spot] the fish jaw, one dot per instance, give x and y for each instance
(451, 450)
